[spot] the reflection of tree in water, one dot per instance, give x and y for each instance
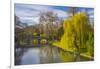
(52, 54)
(19, 52)
(46, 55)
(49, 54)
(66, 56)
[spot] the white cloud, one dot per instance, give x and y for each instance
(36, 19)
(23, 13)
(30, 20)
(91, 16)
(30, 13)
(61, 13)
(90, 12)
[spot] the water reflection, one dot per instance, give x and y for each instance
(43, 54)
(31, 57)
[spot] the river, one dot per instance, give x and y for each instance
(44, 54)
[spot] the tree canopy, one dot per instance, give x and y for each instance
(78, 34)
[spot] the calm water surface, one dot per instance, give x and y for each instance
(44, 54)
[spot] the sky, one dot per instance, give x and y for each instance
(29, 13)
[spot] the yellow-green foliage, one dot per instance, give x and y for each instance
(66, 57)
(22, 42)
(43, 41)
(35, 41)
(76, 33)
(34, 34)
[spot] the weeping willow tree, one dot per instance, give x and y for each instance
(78, 34)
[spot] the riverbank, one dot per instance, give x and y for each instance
(57, 44)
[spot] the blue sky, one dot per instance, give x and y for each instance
(29, 13)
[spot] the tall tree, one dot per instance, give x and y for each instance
(48, 24)
(77, 34)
